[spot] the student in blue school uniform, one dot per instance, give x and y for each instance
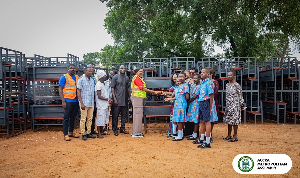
(180, 105)
(193, 109)
(206, 102)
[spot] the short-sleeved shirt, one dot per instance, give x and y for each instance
(87, 87)
(181, 90)
(93, 77)
(206, 88)
(180, 105)
(101, 104)
(62, 82)
(120, 85)
(107, 84)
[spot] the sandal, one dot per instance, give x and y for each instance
(227, 138)
(105, 133)
(73, 135)
(233, 140)
(100, 136)
(67, 138)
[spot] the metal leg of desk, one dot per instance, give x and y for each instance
(277, 110)
(245, 116)
(284, 112)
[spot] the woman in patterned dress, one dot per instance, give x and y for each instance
(180, 105)
(234, 101)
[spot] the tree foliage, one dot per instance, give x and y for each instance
(160, 28)
(91, 58)
(152, 29)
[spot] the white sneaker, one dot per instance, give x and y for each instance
(138, 136)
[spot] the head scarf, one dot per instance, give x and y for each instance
(100, 74)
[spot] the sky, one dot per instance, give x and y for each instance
(53, 28)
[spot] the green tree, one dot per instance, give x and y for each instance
(159, 28)
(280, 19)
(152, 29)
(91, 58)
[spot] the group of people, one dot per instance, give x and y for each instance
(96, 96)
(193, 99)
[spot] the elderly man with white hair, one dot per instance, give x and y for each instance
(102, 102)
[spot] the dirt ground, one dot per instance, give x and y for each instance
(45, 154)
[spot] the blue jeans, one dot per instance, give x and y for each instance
(69, 116)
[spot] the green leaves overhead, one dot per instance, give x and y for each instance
(91, 58)
(153, 28)
(160, 28)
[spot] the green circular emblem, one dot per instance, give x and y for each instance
(245, 164)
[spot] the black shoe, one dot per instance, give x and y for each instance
(204, 145)
(84, 137)
(188, 136)
(116, 133)
(123, 131)
(105, 129)
(90, 136)
(211, 140)
(94, 132)
(198, 141)
(192, 138)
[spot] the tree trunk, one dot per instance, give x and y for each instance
(234, 49)
(285, 48)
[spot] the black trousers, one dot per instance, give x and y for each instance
(189, 128)
(124, 114)
(94, 118)
(69, 116)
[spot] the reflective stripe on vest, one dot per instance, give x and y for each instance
(69, 90)
(135, 91)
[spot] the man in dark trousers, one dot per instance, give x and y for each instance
(120, 93)
(70, 103)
